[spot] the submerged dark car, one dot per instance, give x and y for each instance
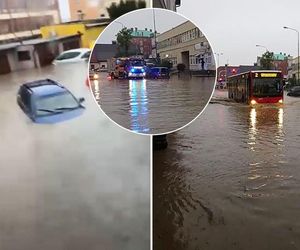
(46, 101)
(159, 73)
(295, 91)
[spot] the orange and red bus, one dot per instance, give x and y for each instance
(254, 87)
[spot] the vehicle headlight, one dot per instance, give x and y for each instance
(253, 102)
(96, 76)
(280, 101)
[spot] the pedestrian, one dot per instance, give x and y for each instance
(202, 63)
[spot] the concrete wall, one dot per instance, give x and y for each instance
(28, 64)
(197, 46)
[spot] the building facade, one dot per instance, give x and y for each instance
(280, 62)
(293, 72)
(91, 9)
(141, 41)
(22, 19)
(186, 44)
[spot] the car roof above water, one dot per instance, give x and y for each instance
(45, 87)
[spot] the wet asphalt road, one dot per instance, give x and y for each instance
(80, 184)
(153, 106)
(231, 180)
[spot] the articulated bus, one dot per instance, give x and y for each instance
(253, 87)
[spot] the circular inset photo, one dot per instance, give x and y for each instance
(152, 71)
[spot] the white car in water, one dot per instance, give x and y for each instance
(73, 56)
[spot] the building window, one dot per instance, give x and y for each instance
(24, 55)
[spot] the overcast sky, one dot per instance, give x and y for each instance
(142, 19)
(234, 27)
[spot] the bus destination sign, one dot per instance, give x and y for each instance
(270, 74)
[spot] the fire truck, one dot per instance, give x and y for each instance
(127, 67)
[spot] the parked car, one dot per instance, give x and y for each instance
(73, 56)
(159, 72)
(294, 91)
(46, 101)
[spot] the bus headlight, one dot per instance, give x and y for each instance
(280, 101)
(253, 102)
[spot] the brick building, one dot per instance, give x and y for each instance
(141, 42)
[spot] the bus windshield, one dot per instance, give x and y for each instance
(267, 87)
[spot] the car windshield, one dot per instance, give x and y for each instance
(164, 70)
(68, 55)
(267, 87)
(154, 70)
(55, 103)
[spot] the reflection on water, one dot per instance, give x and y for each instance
(138, 106)
(153, 106)
(230, 181)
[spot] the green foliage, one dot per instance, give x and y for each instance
(124, 39)
(266, 60)
(116, 10)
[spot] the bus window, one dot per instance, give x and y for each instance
(264, 87)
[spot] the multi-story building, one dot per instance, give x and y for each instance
(22, 19)
(91, 9)
(280, 62)
(141, 41)
(186, 44)
(293, 68)
(166, 4)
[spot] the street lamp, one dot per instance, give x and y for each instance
(218, 57)
(120, 23)
(285, 27)
(257, 45)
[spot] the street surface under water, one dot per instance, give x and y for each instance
(153, 106)
(79, 184)
(230, 180)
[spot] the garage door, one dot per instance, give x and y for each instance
(4, 64)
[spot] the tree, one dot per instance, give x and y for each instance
(124, 39)
(116, 10)
(266, 60)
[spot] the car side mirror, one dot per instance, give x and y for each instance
(81, 100)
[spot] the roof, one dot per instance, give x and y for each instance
(45, 87)
(9, 46)
(279, 57)
(47, 90)
(102, 52)
(46, 40)
(141, 33)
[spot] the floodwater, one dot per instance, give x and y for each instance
(62, 186)
(231, 180)
(153, 106)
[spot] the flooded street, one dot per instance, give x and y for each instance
(62, 186)
(153, 106)
(230, 180)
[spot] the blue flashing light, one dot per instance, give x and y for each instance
(132, 70)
